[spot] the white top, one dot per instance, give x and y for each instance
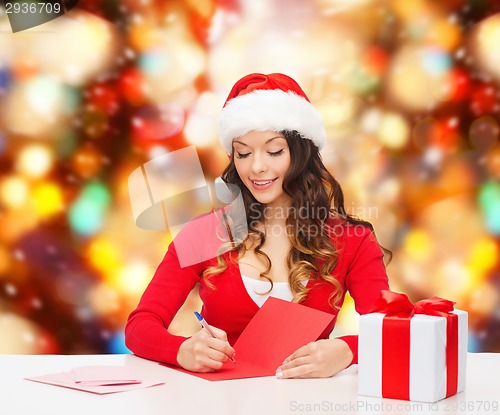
(256, 289)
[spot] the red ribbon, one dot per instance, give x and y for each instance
(399, 310)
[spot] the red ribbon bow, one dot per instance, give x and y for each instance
(399, 310)
(399, 305)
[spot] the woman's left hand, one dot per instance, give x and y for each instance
(319, 359)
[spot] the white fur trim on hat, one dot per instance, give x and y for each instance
(270, 110)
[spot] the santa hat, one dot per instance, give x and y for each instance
(273, 102)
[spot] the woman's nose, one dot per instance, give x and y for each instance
(258, 164)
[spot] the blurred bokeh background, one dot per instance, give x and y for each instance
(409, 91)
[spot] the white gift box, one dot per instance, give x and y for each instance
(427, 362)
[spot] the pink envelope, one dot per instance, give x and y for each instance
(277, 330)
(82, 379)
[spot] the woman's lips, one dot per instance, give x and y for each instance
(263, 184)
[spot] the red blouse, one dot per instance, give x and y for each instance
(359, 269)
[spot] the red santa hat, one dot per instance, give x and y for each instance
(273, 102)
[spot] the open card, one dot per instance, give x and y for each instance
(277, 330)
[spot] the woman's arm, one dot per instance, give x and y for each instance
(365, 278)
(146, 331)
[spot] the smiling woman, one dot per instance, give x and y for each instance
(301, 242)
(262, 161)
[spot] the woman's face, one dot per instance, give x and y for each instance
(262, 159)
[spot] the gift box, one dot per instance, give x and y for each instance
(414, 352)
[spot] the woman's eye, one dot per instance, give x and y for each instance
(242, 155)
(276, 153)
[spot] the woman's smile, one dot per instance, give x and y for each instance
(263, 184)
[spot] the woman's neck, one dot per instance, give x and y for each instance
(275, 215)
(277, 211)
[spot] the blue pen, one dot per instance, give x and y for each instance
(207, 328)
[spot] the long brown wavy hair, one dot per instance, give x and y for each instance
(316, 196)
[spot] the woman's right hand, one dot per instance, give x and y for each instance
(203, 353)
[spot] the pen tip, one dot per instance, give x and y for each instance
(198, 316)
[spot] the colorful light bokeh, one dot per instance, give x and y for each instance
(409, 91)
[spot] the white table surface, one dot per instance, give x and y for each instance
(185, 394)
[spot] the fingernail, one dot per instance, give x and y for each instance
(279, 373)
(285, 362)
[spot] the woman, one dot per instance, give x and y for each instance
(301, 245)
